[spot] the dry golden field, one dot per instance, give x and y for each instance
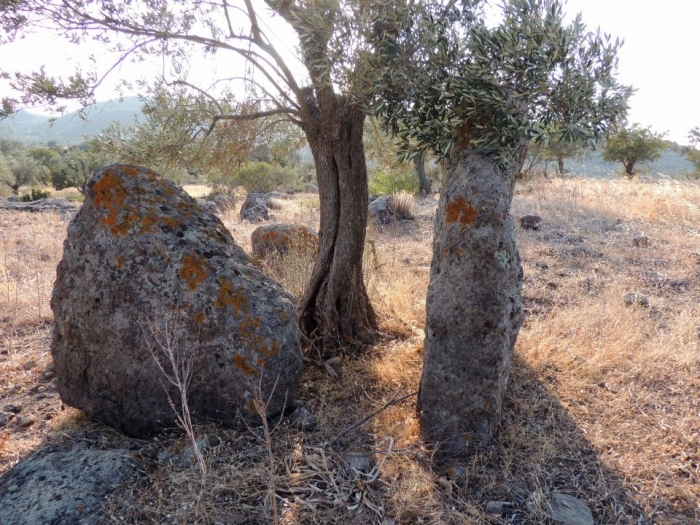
(603, 401)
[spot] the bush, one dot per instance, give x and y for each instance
(35, 195)
(388, 182)
(261, 177)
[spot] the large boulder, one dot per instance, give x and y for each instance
(279, 239)
(146, 271)
(473, 307)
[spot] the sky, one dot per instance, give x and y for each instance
(659, 59)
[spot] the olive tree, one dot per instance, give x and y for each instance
(477, 94)
(323, 100)
(633, 145)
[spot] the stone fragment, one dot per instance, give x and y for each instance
(302, 419)
(496, 507)
(146, 271)
(15, 409)
(641, 241)
(254, 208)
(5, 418)
(542, 265)
(65, 487)
(635, 298)
(29, 364)
(358, 461)
(530, 222)
(567, 510)
(26, 421)
(281, 239)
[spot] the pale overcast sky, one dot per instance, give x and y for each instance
(660, 58)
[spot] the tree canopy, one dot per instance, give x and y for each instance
(451, 79)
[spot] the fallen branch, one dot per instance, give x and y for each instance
(364, 420)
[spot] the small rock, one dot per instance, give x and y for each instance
(26, 421)
(15, 409)
(641, 242)
(542, 265)
(635, 298)
(302, 419)
(29, 364)
(456, 472)
(530, 222)
(496, 507)
(568, 510)
(50, 374)
(552, 285)
(5, 418)
(182, 452)
(358, 461)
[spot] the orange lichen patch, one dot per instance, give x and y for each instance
(460, 211)
(250, 405)
(242, 364)
(229, 296)
(194, 270)
(199, 317)
(110, 193)
(173, 223)
(120, 262)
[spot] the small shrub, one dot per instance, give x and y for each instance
(261, 177)
(401, 203)
(387, 182)
(35, 195)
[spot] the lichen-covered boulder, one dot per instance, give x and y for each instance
(146, 270)
(281, 238)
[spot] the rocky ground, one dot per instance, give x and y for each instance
(602, 404)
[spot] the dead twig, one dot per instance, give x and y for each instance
(394, 400)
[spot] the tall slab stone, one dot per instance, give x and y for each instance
(473, 308)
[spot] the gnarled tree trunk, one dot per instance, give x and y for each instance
(335, 309)
(473, 308)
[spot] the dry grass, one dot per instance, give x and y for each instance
(603, 401)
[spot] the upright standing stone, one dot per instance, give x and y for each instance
(146, 268)
(473, 308)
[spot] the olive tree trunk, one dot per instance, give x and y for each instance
(335, 309)
(424, 184)
(473, 308)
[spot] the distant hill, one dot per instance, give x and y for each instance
(70, 129)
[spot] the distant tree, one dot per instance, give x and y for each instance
(633, 145)
(692, 153)
(23, 170)
(76, 167)
(49, 158)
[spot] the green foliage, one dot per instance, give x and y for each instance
(633, 145)
(261, 177)
(450, 79)
(389, 181)
(76, 167)
(17, 168)
(35, 195)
